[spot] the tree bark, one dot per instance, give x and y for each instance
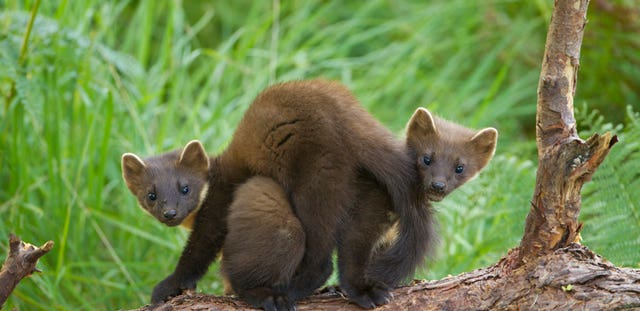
(565, 161)
(549, 269)
(20, 263)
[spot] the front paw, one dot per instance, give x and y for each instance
(371, 295)
(168, 288)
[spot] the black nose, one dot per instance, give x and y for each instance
(438, 186)
(169, 214)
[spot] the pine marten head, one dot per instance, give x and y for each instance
(447, 154)
(172, 186)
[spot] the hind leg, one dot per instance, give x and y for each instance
(263, 246)
(320, 200)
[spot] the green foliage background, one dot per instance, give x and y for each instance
(99, 78)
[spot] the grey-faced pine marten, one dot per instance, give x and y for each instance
(313, 141)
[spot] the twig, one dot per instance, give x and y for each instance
(20, 263)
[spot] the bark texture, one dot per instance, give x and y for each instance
(566, 162)
(549, 270)
(571, 278)
(20, 263)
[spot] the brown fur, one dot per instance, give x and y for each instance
(339, 172)
(312, 138)
(378, 237)
(372, 226)
(265, 240)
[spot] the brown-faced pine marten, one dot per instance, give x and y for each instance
(325, 153)
(446, 154)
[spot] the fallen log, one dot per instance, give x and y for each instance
(570, 278)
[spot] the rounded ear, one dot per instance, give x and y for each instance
(485, 141)
(420, 126)
(422, 121)
(132, 169)
(194, 156)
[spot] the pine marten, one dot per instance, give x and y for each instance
(446, 154)
(385, 244)
(312, 143)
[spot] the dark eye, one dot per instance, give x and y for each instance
(151, 196)
(459, 169)
(185, 190)
(426, 160)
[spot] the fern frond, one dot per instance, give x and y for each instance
(611, 202)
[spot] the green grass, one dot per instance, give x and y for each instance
(96, 79)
